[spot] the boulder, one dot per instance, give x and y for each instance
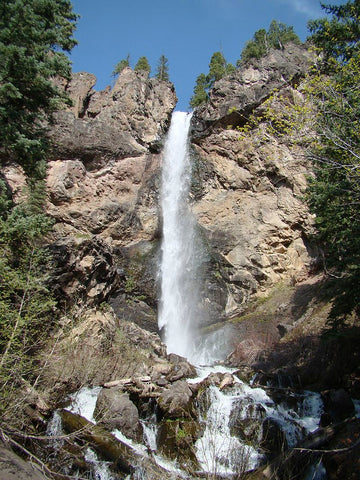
(180, 371)
(13, 467)
(115, 411)
(177, 401)
(338, 406)
(176, 440)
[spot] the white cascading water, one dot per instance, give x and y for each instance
(179, 306)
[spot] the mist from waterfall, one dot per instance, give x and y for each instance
(179, 311)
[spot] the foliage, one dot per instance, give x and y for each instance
(200, 91)
(339, 36)
(277, 36)
(26, 306)
(33, 38)
(142, 65)
(334, 193)
(119, 67)
(218, 68)
(162, 71)
(289, 114)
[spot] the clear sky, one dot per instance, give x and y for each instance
(187, 32)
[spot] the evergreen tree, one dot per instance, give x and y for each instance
(33, 38)
(142, 65)
(277, 36)
(334, 193)
(339, 36)
(218, 68)
(255, 48)
(119, 67)
(26, 305)
(162, 71)
(200, 91)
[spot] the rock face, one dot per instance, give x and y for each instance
(121, 122)
(248, 189)
(103, 183)
(246, 89)
(104, 180)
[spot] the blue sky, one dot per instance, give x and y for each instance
(187, 32)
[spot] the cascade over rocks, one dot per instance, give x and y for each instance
(103, 189)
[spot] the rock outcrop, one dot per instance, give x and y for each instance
(247, 193)
(103, 184)
(248, 189)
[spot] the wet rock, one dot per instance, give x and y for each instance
(245, 421)
(338, 406)
(177, 401)
(104, 442)
(115, 410)
(180, 370)
(176, 439)
(273, 438)
(227, 381)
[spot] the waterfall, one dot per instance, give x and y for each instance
(179, 311)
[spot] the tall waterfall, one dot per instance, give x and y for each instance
(179, 306)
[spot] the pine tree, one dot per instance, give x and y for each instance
(34, 37)
(277, 36)
(162, 71)
(200, 91)
(119, 67)
(334, 193)
(339, 36)
(218, 68)
(142, 65)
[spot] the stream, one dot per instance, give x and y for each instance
(238, 411)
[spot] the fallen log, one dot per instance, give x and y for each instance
(120, 454)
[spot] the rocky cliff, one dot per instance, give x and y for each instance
(104, 178)
(248, 189)
(103, 183)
